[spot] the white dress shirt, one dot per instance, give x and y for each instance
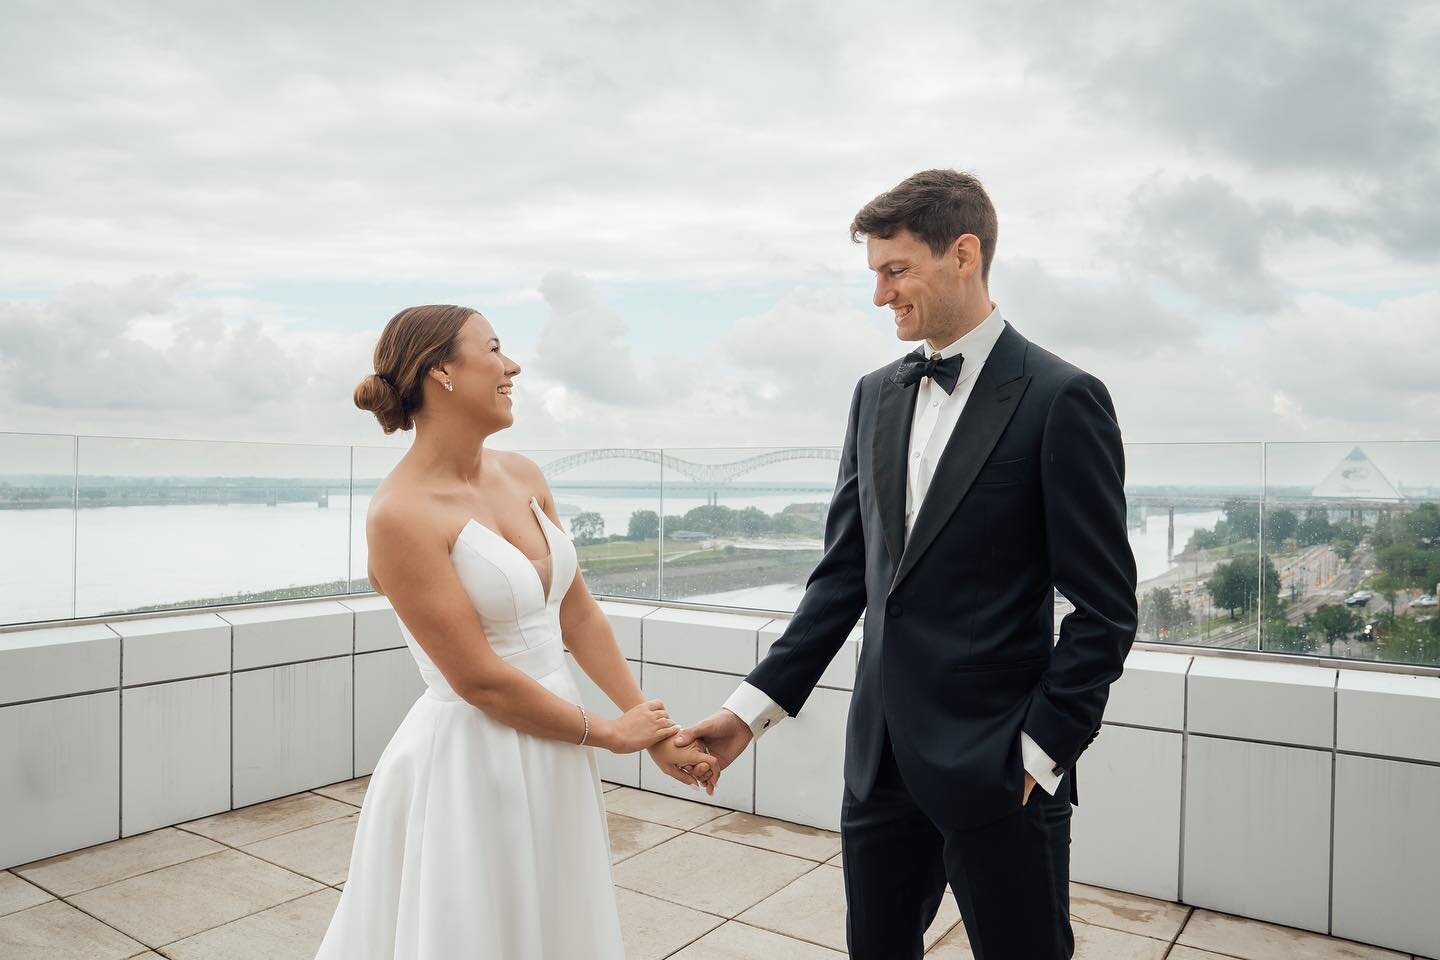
(935, 416)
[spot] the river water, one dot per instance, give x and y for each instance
(127, 557)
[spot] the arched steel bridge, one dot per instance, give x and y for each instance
(704, 473)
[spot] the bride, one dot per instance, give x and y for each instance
(483, 831)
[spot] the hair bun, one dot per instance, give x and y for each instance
(378, 394)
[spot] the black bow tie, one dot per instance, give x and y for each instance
(945, 373)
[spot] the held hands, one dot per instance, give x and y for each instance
(726, 736)
(639, 727)
(678, 762)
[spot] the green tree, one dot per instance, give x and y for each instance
(1280, 634)
(711, 518)
(752, 522)
(1423, 526)
(1333, 622)
(644, 525)
(1314, 529)
(1280, 525)
(587, 526)
(1407, 564)
(1408, 640)
(1346, 548)
(1389, 587)
(1234, 585)
(1242, 519)
(1161, 614)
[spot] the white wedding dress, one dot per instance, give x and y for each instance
(476, 840)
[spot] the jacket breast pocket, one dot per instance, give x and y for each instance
(1003, 471)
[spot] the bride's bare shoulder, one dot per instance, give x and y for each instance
(527, 474)
(398, 523)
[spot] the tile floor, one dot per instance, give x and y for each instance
(261, 883)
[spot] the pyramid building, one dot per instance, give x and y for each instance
(1356, 478)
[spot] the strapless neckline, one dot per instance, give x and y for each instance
(546, 524)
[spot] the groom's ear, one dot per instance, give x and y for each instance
(965, 252)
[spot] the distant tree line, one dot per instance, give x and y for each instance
(711, 519)
(1241, 524)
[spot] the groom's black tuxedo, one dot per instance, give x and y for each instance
(957, 657)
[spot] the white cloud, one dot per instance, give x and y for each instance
(1184, 199)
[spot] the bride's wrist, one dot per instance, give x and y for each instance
(602, 733)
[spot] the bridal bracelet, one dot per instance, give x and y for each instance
(586, 717)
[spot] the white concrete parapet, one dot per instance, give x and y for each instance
(1216, 780)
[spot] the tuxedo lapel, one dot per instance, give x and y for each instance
(997, 392)
(893, 416)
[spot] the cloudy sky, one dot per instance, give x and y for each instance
(1228, 211)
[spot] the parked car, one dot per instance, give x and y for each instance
(1423, 601)
(1359, 598)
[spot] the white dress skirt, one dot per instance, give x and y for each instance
(476, 840)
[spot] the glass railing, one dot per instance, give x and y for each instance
(1312, 548)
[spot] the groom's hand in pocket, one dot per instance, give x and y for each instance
(1029, 786)
(726, 736)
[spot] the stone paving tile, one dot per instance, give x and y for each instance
(653, 929)
(658, 808)
(195, 900)
(348, 791)
(606, 786)
(175, 902)
(1254, 940)
(105, 863)
(1190, 953)
(1091, 943)
(1102, 943)
(289, 931)
(629, 836)
(777, 835)
(57, 931)
(1129, 912)
(270, 819)
(715, 876)
(17, 894)
(813, 908)
(321, 852)
(737, 941)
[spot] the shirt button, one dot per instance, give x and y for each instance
(934, 403)
(915, 456)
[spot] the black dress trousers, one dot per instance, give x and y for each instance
(1010, 877)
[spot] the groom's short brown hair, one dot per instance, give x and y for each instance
(937, 206)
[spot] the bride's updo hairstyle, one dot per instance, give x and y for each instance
(414, 341)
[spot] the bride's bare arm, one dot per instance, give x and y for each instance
(590, 638)
(412, 561)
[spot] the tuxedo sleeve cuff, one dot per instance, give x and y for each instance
(1039, 765)
(755, 708)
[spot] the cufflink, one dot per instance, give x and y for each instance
(765, 724)
(1057, 771)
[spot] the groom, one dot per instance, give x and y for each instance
(978, 475)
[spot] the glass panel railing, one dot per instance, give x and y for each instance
(1352, 531)
(1194, 515)
(369, 465)
(37, 527)
(609, 501)
(745, 527)
(169, 524)
(1314, 548)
